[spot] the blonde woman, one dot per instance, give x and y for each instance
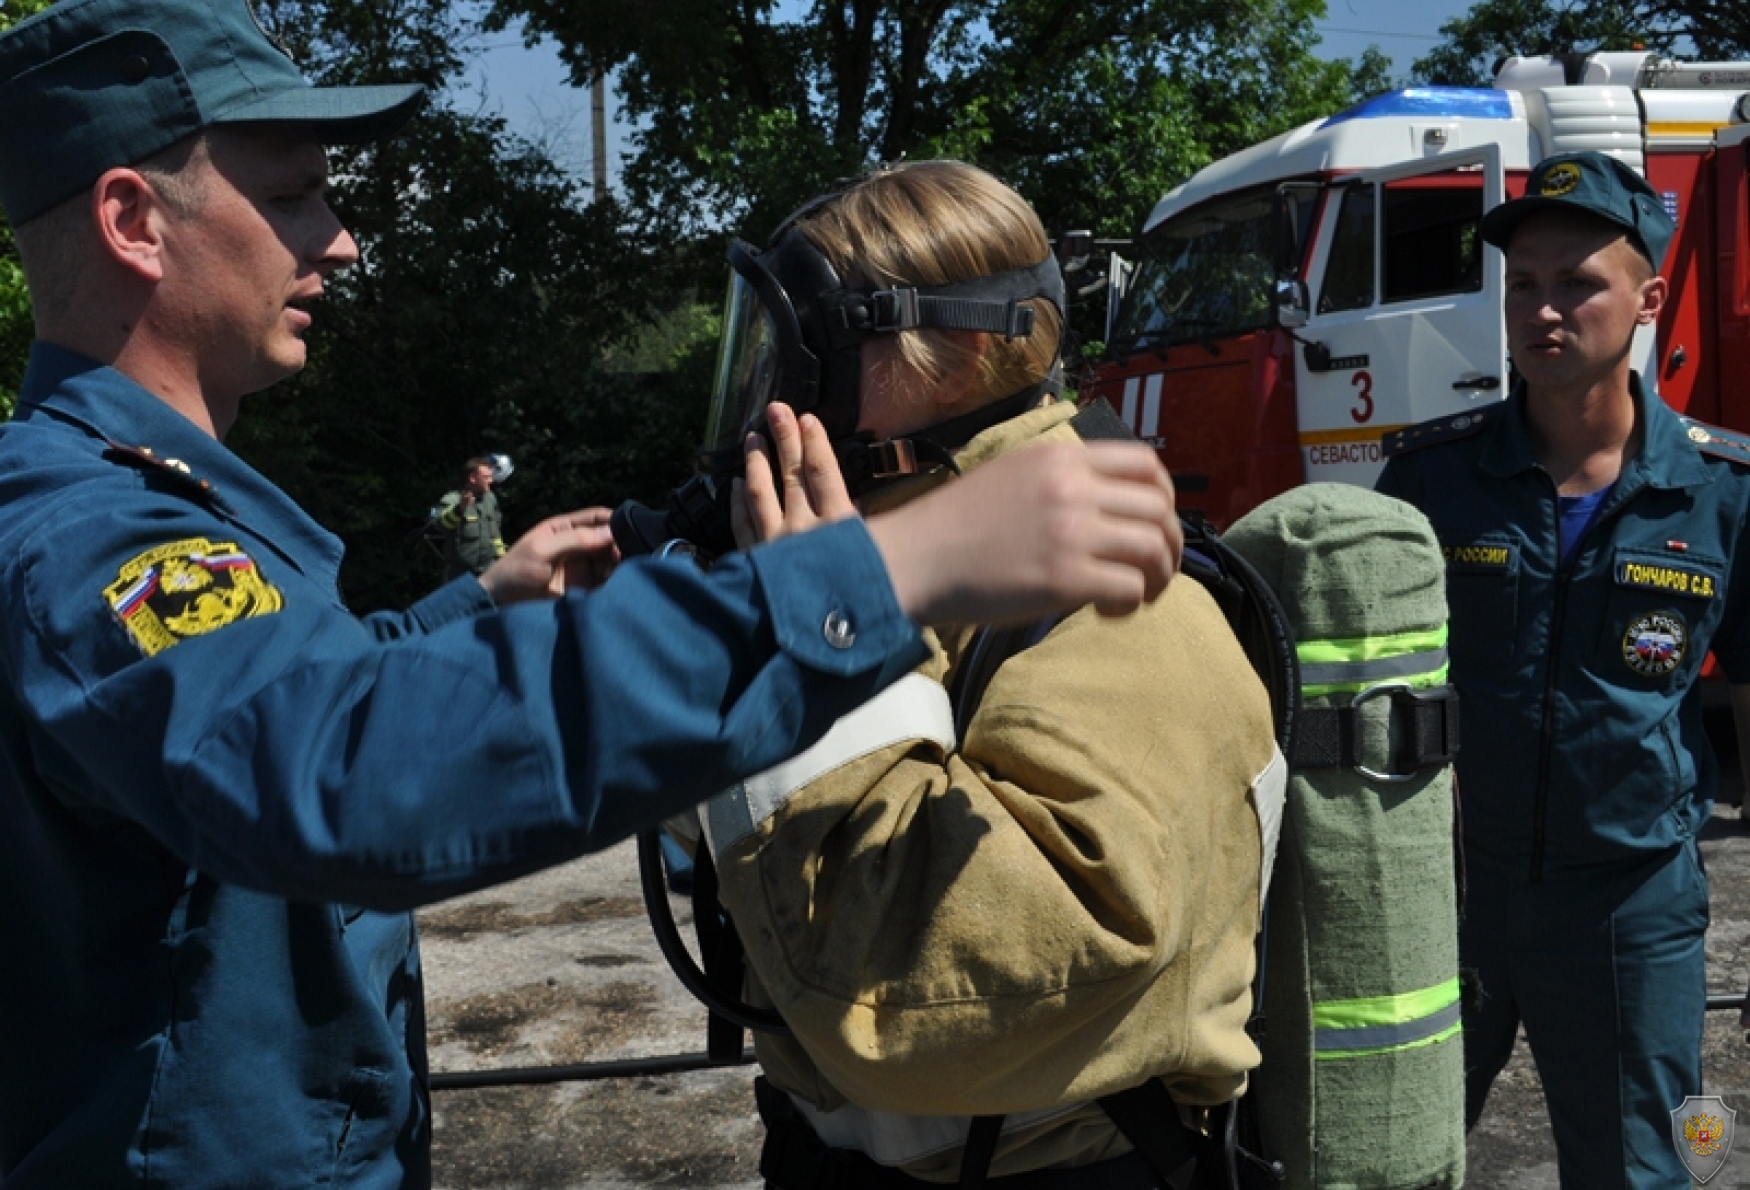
(983, 903)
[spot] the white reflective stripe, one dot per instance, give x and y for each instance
(893, 1139)
(913, 708)
(1270, 796)
(1151, 406)
(1128, 413)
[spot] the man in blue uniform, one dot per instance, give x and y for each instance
(1596, 550)
(222, 791)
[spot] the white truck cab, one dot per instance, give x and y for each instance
(1295, 302)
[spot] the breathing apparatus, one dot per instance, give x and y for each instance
(794, 331)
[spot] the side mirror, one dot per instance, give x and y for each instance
(1118, 275)
(1073, 248)
(1292, 305)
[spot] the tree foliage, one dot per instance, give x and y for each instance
(1718, 29)
(1495, 29)
(15, 326)
(487, 300)
(495, 309)
(1091, 108)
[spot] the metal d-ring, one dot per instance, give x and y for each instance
(1375, 692)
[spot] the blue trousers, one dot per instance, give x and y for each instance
(1606, 969)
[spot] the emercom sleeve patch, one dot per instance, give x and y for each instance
(188, 588)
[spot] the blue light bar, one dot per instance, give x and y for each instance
(1475, 103)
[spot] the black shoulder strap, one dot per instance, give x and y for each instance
(1257, 618)
(1149, 1120)
(979, 1151)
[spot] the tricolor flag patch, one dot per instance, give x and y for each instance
(188, 588)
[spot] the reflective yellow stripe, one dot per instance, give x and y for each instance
(1335, 666)
(1684, 127)
(1346, 435)
(1366, 648)
(1385, 1010)
(1385, 1024)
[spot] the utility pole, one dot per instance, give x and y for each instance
(598, 115)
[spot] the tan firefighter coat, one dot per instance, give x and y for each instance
(1054, 908)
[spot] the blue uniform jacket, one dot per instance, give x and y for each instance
(1583, 741)
(221, 791)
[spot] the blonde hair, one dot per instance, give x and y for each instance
(931, 223)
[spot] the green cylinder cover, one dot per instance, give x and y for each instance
(1362, 1083)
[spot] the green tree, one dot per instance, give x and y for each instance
(485, 314)
(15, 327)
(1091, 108)
(1495, 29)
(487, 298)
(1718, 29)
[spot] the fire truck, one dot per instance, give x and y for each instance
(1289, 305)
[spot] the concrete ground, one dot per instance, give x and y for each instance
(561, 968)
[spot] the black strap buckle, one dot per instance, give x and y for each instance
(893, 309)
(1427, 723)
(893, 458)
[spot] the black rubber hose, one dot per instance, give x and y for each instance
(524, 1076)
(680, 960)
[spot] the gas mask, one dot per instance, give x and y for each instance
(793, 331)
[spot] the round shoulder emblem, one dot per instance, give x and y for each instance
(1654, 644)
(1560, 180)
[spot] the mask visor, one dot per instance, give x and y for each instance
(761, 359)
(747, 369)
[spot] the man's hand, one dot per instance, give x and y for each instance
(812, 489)
(1038, 531)
(1042, 530)
(574, 550)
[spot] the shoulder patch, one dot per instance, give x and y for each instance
(1711, 440)
(188, 588)
(174, 473)
(1440, 429)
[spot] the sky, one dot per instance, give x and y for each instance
(528, 86)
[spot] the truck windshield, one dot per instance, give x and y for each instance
(1204, 275)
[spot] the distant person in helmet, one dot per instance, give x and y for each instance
(1054, 899)
(472, 523)
(1596, 550)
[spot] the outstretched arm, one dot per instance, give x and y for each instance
(572, 551)
(1043, 530)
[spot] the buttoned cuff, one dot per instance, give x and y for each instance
(832, 606)
(460, 599)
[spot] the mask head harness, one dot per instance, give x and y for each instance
(794, 331)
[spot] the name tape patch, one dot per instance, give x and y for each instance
(188, 588)
(1678, 580)
(1478, 557)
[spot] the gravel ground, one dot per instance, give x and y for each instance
(561, 968)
